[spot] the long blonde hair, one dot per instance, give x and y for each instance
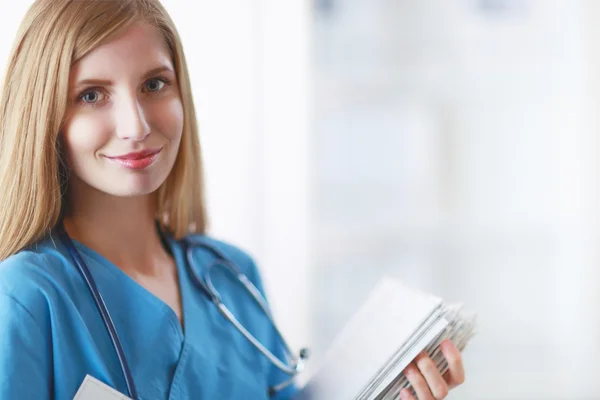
(53, 36)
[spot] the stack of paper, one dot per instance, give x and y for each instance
(393, 326)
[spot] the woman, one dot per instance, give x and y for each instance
(101, 201)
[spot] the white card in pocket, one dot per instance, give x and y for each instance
(93, 389)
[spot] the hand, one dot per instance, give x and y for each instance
(427, 381)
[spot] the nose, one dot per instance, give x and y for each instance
(131, 118)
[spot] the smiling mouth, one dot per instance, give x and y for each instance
(137, 160)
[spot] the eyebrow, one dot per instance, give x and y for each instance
(103, 82)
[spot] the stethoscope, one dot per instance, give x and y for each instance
(292, 366)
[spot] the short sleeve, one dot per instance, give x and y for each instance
(25, 354)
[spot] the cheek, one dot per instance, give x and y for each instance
(83, 135)
(170, 119)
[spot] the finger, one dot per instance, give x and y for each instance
(437, 384)
(456, 373)
(406, 394)
(418, 382)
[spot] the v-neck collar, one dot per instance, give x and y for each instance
(118, 273)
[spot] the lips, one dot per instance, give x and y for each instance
(137, 160)
(138, 155)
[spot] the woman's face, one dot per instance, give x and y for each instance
(125, 117)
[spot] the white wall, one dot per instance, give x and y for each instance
(458, 145)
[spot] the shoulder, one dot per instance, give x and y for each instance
(225, 247)
(28, 267)
(30, 277)
(202, 245)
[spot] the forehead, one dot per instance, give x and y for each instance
(139, 48)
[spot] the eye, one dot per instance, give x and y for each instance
(90, 97)
(155, 84)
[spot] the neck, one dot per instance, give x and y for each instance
(122, 229)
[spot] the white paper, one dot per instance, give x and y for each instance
(93, 389)
(390, 329)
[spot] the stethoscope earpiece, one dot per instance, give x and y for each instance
(305, 353)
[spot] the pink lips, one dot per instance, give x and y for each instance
(137, 160)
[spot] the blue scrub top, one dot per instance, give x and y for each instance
(52, 335)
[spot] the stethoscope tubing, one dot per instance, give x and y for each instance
(210, 291)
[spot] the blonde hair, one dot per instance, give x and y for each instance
(53, 36)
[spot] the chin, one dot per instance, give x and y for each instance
(133, 192)
(139, 186)
(139, 190)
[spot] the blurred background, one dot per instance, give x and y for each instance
(452, 144)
